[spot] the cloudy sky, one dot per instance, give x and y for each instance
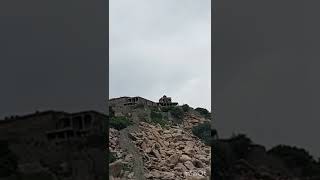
(267, 71)
(161, 47)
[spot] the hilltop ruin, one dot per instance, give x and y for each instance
(59, 144)
(132, 101)
(155, 140)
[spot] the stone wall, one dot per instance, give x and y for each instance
(117, 101)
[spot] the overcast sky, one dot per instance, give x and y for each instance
(161, 47)
(267, 71)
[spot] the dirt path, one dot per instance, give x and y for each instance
(127, 145)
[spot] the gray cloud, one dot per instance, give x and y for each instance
(161, 47)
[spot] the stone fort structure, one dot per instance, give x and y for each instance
(133, 101)
(124, 105)
(70, 144)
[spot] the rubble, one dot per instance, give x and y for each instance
(114, 143)
(191, 120)
(116, 168)
(169, 153)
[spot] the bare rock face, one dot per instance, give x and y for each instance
(113, 139)
(170, 153)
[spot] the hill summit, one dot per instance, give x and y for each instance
(163, 140)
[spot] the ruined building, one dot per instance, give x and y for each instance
(166, 101)
(77, 125)
(132, 101)
(123, 105)
(70, 144)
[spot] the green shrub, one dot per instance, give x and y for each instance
(177, 113)
(166, 109)
(155, 109)
(185, 107)
(203, 131)
(204, 112)
(119, 122)
(156, 117)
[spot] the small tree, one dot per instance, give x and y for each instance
(177, 112)
(157, 118)
(119, 122)
(185, 107)
(203, 131)
(204, 112)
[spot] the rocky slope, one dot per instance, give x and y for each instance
(167, 153)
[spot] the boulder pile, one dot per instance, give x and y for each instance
(120, 169)
(114, 147)
(172, 153)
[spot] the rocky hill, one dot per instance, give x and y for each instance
(158, 143)
(239, 158)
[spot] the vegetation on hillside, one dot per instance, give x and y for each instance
(185, 108)
(227, 152)
(203, 131)
(157, 118)
(295, 158)
(119, 122)
(176, 112)
(204, 112)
